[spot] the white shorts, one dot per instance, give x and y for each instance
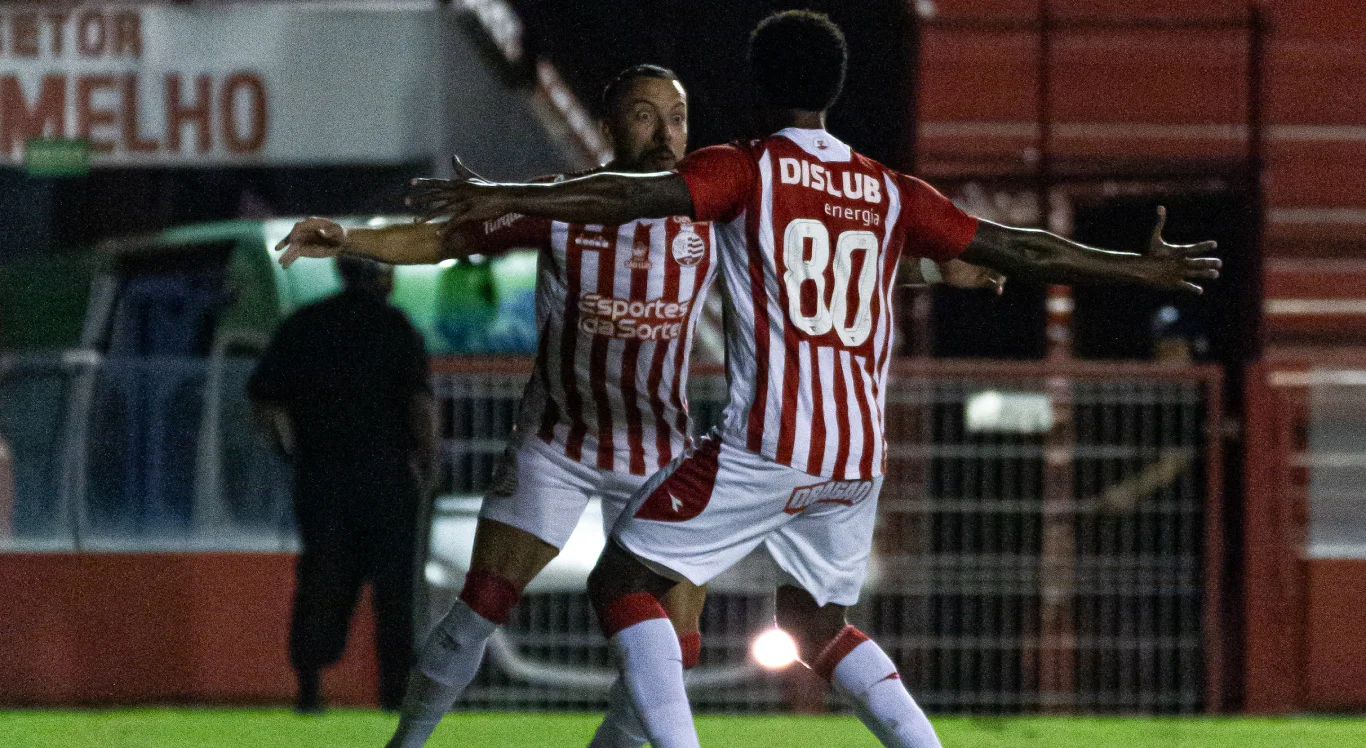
(538, 489)
(708, 509)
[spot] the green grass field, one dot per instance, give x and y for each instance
(211, 728)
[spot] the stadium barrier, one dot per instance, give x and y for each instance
(993, 593)
(1304, 535)
(994, 589)
(125, 453)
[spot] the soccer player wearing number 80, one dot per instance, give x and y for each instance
(810, 238)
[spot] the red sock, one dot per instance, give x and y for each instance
(691, 644)
(843, 643)
(490, 595)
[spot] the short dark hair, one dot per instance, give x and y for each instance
(614, 90)
(797, 60)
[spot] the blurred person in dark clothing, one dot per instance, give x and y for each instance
(342, 390)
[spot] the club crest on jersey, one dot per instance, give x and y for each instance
(640, 257)
(846, 492)
(688, 248)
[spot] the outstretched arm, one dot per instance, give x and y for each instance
(604, 198)
(914, 272)
(399, 244)
(1041, 257)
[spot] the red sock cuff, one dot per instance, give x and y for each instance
(628, 610)
(844, 642)
(490, 595)
(691, 644)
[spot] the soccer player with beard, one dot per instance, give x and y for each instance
(606, 406)
(811, 236)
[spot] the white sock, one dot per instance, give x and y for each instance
(621, 727)
(868, 677)
(651, 665)
(444, 669)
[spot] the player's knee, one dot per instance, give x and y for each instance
(618, 573)
(813, 626)
(617, 576)
(490, 595)
(601, 589)
(512, 553)
(684, 605)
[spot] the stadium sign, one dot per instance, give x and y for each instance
(269, 83)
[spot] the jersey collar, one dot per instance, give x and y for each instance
(818, 143)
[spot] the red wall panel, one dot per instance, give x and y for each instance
(116, 629)
(1335, 663)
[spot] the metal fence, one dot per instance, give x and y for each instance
(1041, 544)
(125, 453)
(1042, 539)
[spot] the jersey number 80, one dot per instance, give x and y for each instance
(835, 313)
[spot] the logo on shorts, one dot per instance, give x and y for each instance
(846, 492)
(688, 247)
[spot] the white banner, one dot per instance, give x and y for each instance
(259, 83)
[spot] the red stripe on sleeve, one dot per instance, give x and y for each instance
(720, 179)
(934, 226)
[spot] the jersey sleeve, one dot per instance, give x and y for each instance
(499, 235)
(934, 226)
(720, 179)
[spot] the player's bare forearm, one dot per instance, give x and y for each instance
(1032, 255)
(919, 271)
(399, 244)
(1038, 256)
(605, 198)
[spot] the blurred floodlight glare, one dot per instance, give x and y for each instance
(774, 649)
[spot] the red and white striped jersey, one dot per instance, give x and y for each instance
(811, 234)
(616, 307)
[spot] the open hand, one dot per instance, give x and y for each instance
(1178, 267)
(464, 197)
(312, 237)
